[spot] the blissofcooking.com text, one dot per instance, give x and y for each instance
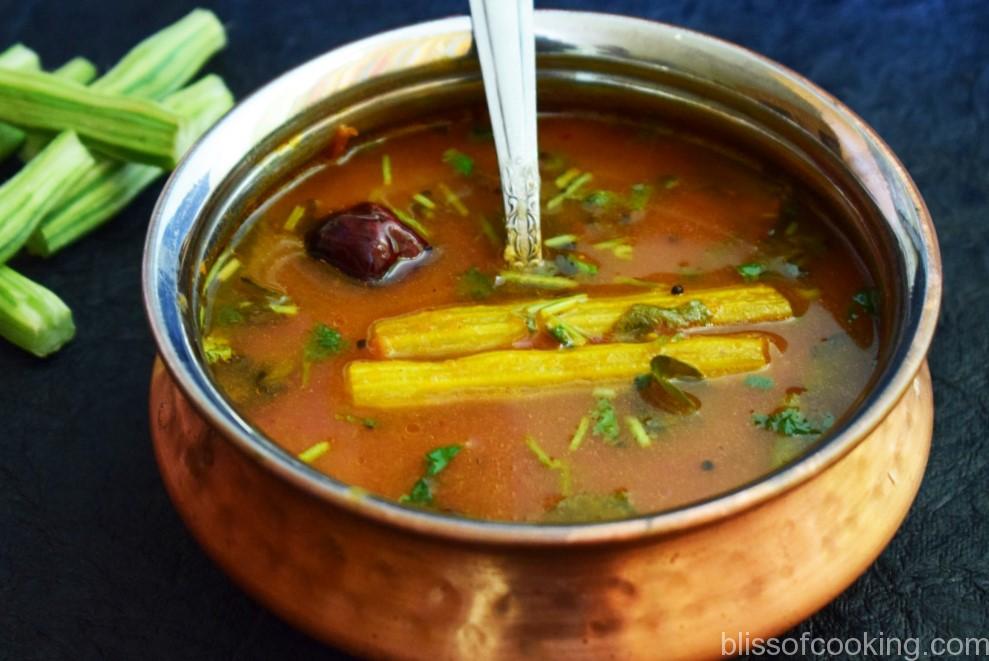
(867, 645)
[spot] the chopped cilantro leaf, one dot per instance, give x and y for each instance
(605, 421)
(420, 494)
(600, 198)
(787, 421)
(324, 341)
(437, 459)
(459, 161)
(475, 285)
(750, 271)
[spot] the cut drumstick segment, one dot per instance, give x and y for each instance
(457, 331)
(514, 372)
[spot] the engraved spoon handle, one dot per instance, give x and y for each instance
(506, 46)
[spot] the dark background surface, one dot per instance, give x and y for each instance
(94, 562)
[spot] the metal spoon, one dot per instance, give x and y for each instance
(506, 46)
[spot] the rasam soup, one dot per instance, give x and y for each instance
(698, 321)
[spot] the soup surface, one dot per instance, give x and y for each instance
(457, 386)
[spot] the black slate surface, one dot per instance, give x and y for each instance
(94, 563)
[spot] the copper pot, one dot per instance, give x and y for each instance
(366, 574)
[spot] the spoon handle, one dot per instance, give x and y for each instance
(505, 42)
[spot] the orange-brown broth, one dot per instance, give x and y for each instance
(695, 233)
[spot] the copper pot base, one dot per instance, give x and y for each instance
(376, 590)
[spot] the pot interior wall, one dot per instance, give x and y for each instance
(766, 133)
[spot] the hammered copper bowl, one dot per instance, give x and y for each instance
(373, 577)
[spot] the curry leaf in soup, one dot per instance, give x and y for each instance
(640, 320)
(657, 388)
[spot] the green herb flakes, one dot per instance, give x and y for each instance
(475, 285)
(750, 271)
(459, 161)
(437, 460)
(759, 382)
(605, 421)
(786, 421)
(324, 341)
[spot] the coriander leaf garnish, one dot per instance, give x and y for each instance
(437, 460)
(788, 420)
(605, 421)
(475, 285)
(750, 271)
(459, 161)
(324, 341)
